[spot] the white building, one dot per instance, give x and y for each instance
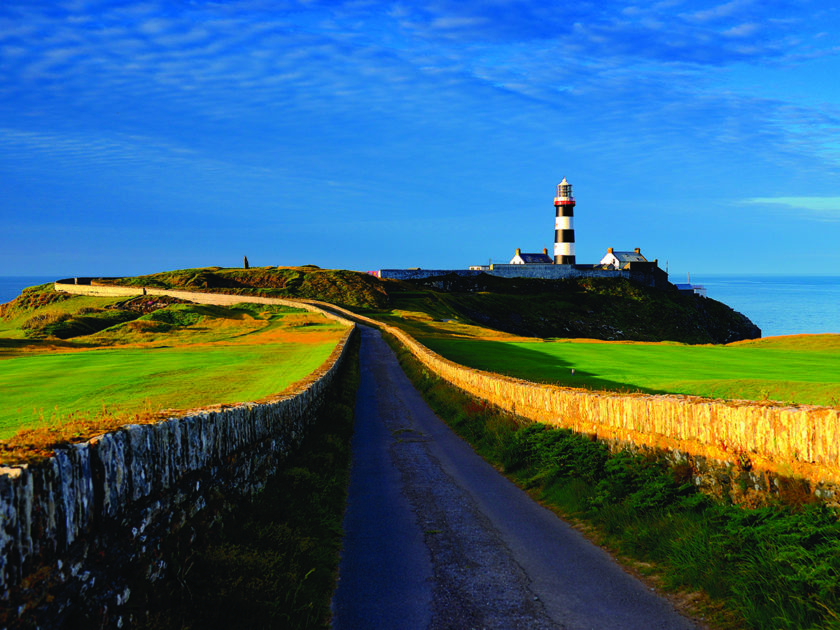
(620, 260)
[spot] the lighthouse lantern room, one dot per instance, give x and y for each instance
(564, 229)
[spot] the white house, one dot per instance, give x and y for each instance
(619, 260)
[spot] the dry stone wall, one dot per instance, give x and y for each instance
(548, 271)
(86, 532)
(736, 447)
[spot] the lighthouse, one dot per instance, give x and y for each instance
(564, 229)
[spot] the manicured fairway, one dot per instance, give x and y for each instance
(128, 378)
(802, 369)
(179, 356)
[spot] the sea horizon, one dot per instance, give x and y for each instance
(779, 304)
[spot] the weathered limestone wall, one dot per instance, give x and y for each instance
(420, 274)
(555, 272)
(83, 533)
(548, 271)
(747, 437)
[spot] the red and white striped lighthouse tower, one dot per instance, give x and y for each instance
(564, 228)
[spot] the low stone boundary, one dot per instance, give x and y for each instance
(651, 277)
(757, 444)
(83, 531)
(83, 286)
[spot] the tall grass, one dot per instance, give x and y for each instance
(39, 439)
(777, 567)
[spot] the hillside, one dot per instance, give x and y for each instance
(338, 286)
(594, 308)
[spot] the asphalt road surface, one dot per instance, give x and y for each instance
(436, 538)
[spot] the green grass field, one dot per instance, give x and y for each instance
(178, 356)
(39, 386)
(801, 369)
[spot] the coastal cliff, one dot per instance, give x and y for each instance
(593, 308)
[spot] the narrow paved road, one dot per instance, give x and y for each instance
(436, 538)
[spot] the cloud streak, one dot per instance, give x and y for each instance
(821, 208)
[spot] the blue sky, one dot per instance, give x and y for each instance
(143, 136)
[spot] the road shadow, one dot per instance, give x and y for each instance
(527, 364)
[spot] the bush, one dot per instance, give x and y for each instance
(175, 316)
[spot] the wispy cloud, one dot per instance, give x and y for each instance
(821, 208)
(80, 153)
(259, 78)
(719, 11)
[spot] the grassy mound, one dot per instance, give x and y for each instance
(65, 325)
(32, 298)
(338, 286)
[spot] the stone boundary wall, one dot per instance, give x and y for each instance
(551, 272)
(421, 274)
(762, 439)
(556, 272)
(545, 272)
(84, 533)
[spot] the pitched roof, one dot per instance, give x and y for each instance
(535, 258)
(626, 257)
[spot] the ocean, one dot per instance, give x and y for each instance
(779, 305)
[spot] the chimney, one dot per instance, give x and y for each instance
(609, 250)
(638, 250)
(545, 251)
(518, 252)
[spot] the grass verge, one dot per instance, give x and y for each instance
(275, 563)
(776, 567)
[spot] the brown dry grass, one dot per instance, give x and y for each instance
(36, 443)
